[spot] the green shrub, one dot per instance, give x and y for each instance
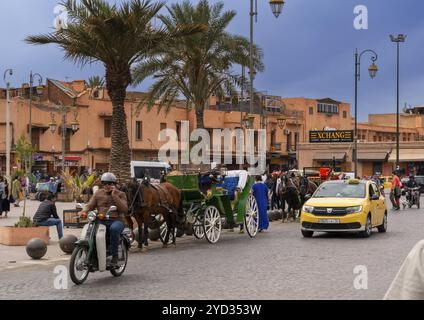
(24, 222)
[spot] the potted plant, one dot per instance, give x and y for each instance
(24, 230)
(77, 187)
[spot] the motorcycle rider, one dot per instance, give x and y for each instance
(411, 182)
(410, 185)
(102, 200)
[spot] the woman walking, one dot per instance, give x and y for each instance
(17, 191)
(4, 197)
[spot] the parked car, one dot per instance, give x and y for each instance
(345, 206)
(387, 182)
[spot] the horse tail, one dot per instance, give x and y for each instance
(180, 211)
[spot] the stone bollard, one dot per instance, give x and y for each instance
(36, 248)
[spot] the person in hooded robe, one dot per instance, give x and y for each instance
(260, 192)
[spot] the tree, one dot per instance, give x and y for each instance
(200, 65)
(24, 151)
(95, 82)
(117, 36)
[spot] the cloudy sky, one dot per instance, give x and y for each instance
(309, 50)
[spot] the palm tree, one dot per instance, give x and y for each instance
(197, 66)
(118, 37)
(95, 82)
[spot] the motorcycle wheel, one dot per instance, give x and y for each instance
(123, 257)
(77, 270)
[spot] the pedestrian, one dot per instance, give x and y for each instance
(46, 215)
(17, 191)
(395, 192)
(275, 200)
(4, 197)
(260, 192)
(409, 281)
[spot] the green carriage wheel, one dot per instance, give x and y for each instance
(212, 225)
(163, 229)
(251, 217)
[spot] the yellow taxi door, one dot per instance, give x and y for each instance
(374, 205)
(380, 208)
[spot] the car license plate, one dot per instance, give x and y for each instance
(330, 221)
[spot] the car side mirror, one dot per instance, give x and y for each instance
(375, 197)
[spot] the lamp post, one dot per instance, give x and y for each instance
(400, 38)
(372, 72)
(63, 110)
(10, 73)
(39, 92)
(276, 7)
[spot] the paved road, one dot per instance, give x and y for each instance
(278, 264)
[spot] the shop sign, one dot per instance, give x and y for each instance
(331, 136)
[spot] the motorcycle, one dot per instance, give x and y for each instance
(412, 197)
(91, 253)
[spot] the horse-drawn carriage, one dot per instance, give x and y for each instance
(226, 205)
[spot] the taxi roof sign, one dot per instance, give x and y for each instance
(353, 181)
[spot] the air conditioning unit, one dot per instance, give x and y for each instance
(286, 132)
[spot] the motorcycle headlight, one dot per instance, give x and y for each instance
(308, 209)
(92, 216)
(356, 209)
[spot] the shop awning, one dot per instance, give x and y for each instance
(70, 158)
(407, 155)
(328, 156)
(373, 155)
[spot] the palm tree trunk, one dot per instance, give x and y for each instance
(199, 116)
(120, 155)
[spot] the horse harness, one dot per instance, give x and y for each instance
(163, 201)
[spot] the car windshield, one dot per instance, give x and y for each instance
(141, 172)
(341, 190)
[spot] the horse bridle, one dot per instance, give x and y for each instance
(138, 193)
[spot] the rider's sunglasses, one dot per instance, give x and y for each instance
(108, 183)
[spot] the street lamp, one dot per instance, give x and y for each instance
(281, 122)
(248, 121)
(63, 110)
(39, 90)
(373, 69)
(10, 72)
(400, 38)
(276, 7)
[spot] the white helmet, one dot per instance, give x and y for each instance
(108, 177)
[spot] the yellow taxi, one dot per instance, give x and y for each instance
(345, 206)
(387, 182)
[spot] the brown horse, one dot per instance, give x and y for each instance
(147, 201)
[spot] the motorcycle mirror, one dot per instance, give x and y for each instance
(113, 208)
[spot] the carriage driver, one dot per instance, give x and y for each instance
(102, 200)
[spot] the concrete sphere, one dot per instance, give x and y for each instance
(67, 243)
(36, 248)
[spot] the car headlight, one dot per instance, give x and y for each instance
(356, 209)
(308, 209)
(92, 216)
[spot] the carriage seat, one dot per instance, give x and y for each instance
(230, 185)
(233, 181)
